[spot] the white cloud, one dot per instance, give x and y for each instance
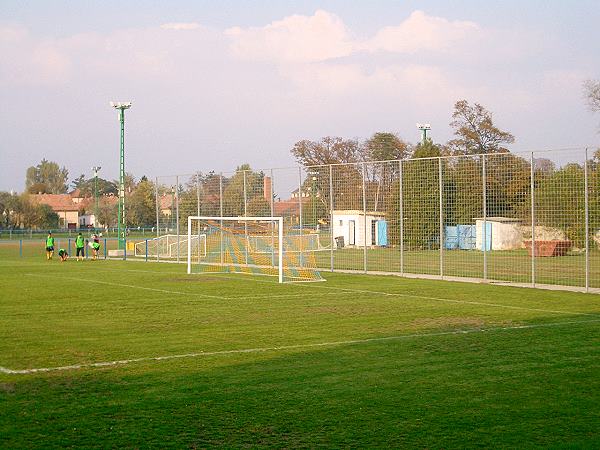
(293, 39)
(180, 26)
(420, 32)
(27, 60)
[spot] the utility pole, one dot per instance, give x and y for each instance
(121, 106)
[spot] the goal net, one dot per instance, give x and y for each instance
(298, 242)
(172, 246)
(250, 245)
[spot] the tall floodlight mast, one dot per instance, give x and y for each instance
(95, 170)
(121, 106)
(424, 127)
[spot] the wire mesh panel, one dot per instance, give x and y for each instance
(462, 211)
(421, 216)
(382, 182)
(167, 193)
(508, 222)
(348, 217)
(560, 220)
(592, 212)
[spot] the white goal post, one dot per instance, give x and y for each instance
(277, 249)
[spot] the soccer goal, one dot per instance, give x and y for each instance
(171, 246)
(250, 245)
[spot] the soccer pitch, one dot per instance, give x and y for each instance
(133, 354)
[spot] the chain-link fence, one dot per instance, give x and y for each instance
(522, 218)
(530, 218)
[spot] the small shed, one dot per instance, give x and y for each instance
(349, 226)
(501, 233)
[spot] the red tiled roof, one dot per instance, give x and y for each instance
(286, 207)
(64, 202)
(58, 202)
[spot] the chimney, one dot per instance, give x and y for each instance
(267, 189)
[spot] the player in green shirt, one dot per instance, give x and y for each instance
(80, 247)
(63, 254)
(49, 246)
(95, 247)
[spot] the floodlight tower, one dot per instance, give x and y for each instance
(121, 106)
(95, 170)
(424, 127)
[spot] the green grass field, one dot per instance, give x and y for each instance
(507, 266)
(142, 355)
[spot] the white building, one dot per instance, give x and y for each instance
(87, 221)
(350, 225)
(502, 233)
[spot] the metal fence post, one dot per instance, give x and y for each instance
(484, 233)
(587, 224)
(146, 250)
(401, 206)
(105, 250)
(69, 246)
(157, 202)
(21, 248)
(245, 215)
(198, 193)
(177, 212)
(300, 216)
(364, 196)
(441, 213)
(533, 250)
(221, 213)
(272, 205)
(331, 216)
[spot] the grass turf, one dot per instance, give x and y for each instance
(504, 387)
(510, 266)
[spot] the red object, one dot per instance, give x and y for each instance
(549, 248)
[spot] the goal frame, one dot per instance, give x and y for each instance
(222, 219)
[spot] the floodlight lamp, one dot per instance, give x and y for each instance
(424, 126)
(121, 105)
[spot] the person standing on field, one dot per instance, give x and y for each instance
(49, 246)
(80, 247)
(96, 247)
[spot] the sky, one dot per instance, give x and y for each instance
(218, 84)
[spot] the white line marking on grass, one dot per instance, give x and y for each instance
(122, 362)
(450, 300)
(191, 294)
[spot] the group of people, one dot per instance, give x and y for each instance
(79, 247)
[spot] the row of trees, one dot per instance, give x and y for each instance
(18, 211)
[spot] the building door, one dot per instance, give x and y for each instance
(373, 232)
(382, 233)
(352, 232)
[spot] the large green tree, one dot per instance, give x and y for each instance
(141, 209)
(47, 177)
(87, 186)
(475, 131)
(329, 150)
